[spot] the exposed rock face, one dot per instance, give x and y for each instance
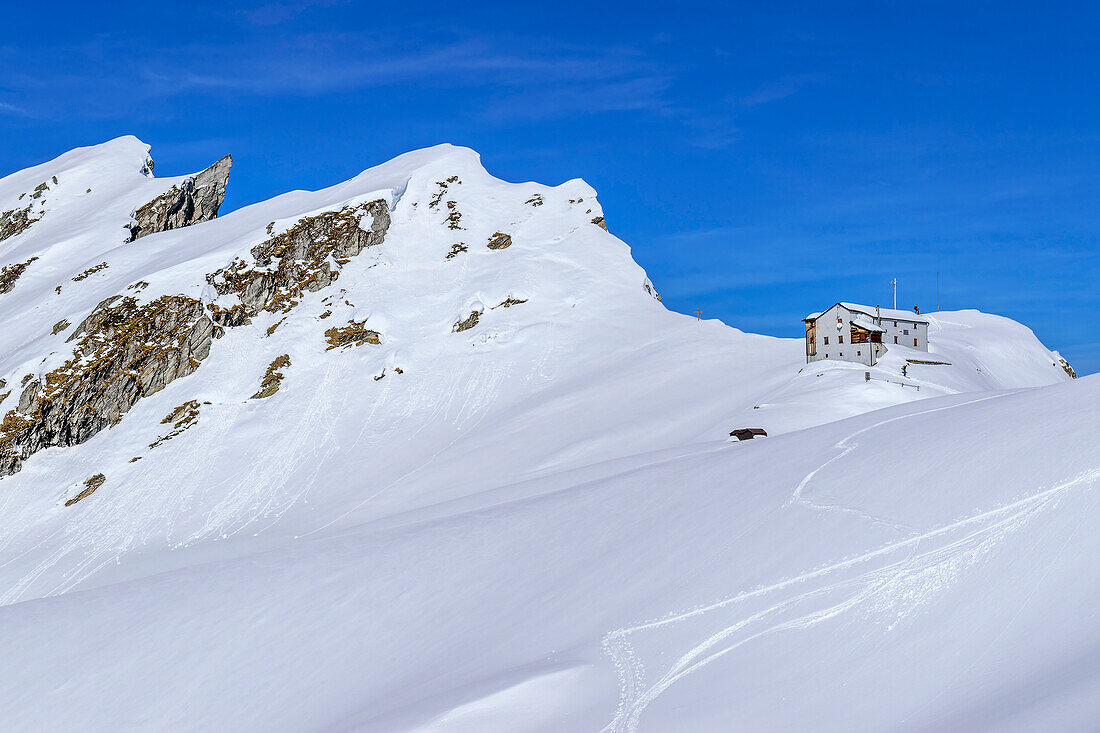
(353, 334)
(1068, 369)
(124, 351)
(500, 240)
(10, 273)
(15, 221)
(89, 272)
(599, 221)
(467, 323)
(273, 377)
(181, 418)
(306, 257)
(198, 199)
(90, 485)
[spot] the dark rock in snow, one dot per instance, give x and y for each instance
(196, 200)
(124, 351)
(500, 240)
(305, 258)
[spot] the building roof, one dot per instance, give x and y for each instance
(867, 325)
(888, 313)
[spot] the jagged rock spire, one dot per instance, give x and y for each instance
(196, 200)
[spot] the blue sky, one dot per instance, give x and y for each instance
(763, 160)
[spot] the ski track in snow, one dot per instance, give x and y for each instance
(846, 446)
(896, 588)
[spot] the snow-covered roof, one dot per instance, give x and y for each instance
(890, 313)
(867, 325)
(887, 313)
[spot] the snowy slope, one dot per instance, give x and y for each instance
(532, 523)
(722, 583)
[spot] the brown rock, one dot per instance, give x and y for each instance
(124, 351)
(500, 240)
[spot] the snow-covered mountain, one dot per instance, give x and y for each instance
(424, 450)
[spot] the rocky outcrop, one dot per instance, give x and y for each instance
(197, 199)
(467, 323)
(16, 221)
(124, 351)
(500, 240)
(180, 418)
(90, 485)
(89, 272)
(273, 377)
(306, 257)
(10, 273)
(354, 334)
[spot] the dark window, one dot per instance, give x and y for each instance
(840, 339)
(859, 353)
(826, 340)
(895, 339)
(914, 342)
(906, 332)
(895, 324)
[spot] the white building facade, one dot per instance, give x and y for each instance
(861, 333)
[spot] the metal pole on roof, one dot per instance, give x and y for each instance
(895, 282)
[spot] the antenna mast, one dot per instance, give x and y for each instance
(895, 283)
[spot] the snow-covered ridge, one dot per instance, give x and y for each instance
(527, 263)
(429, 420)
(184, 281)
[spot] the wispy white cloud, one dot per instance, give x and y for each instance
(774, 91)
(559, 99)
(532, 78)
(276, 13)
(14, 110)
(319, 64)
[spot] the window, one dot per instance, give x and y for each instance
(906, 331)
(914, 342)
(895, 339)
(840, 339)
(859, 353)
(895, 324)
(842, 353)
(826, 340)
